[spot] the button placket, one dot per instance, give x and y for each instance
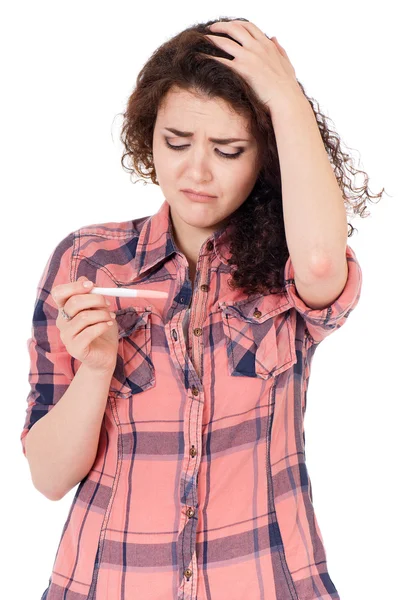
(197, 350)
(196, 344)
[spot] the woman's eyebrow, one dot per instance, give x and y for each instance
(216, 140)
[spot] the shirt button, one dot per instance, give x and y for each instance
(190, 512)
(197, 331)
(195, 391)
(188, 573)
(204, 288)
(209, 246)
(193, 451)
(257, 314)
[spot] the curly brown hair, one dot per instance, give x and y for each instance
(257, 240)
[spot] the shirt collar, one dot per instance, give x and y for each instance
(156, 242)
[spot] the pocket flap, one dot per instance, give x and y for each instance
(258, 309)
(132, 318)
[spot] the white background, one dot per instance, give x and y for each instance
(67, 71)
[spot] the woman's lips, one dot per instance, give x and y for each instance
(198, 198)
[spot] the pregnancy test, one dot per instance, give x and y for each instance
(128, 293)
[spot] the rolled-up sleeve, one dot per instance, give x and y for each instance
(51, 367)
(322, 322)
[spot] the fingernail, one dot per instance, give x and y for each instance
(87, 284)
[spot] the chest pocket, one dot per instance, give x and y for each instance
(134, 371)
(259, 336)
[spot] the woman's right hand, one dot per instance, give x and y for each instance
(87, 335)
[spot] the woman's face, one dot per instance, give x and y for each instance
(200, 164)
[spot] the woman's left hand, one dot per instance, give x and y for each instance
(260, 60)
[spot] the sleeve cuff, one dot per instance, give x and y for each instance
(321, 322)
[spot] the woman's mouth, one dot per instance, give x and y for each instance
(198, 197)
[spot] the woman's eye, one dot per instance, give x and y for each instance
(222, 154)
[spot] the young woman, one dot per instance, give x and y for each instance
(182, 419)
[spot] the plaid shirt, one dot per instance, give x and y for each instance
(200, 487)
